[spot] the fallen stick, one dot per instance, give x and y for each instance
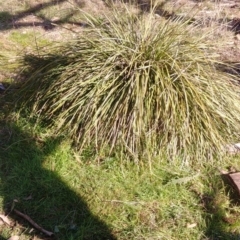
(124, 202)
(35, 225)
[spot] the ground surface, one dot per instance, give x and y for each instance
(181, 203)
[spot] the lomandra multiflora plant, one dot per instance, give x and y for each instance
(138, 83)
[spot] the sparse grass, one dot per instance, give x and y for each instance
(14, 44)
(27, 39)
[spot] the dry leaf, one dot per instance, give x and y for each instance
(5, 219)
(14, 238)
(238, 37)
(56, 229)
(28, 198)
(233, 148)
(191, 225)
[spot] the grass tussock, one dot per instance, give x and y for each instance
(138, 82)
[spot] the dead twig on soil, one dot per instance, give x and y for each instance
(124, 202)
(34, 224)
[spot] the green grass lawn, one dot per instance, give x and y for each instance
(100, 197)
(93, 194)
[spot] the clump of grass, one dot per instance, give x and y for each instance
(138, 82)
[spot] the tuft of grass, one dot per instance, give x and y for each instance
(138, 83)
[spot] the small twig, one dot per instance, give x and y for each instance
(35, 225)
(124, 202)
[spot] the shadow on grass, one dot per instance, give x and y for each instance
(232, 24)
(40, 193)
(219, 225)
(222, 221)
(232, 68)
(11, 21)
(146, 6)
